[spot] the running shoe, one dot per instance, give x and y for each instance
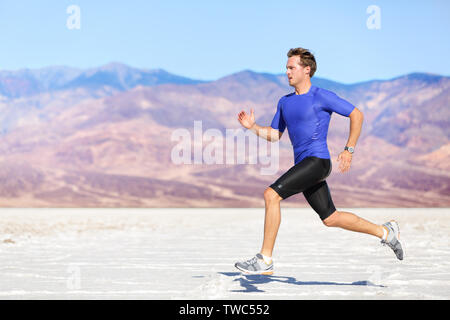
(392, 239)
(255, 265)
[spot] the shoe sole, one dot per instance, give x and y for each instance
(265, 273)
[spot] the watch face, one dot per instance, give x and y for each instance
(351, 149)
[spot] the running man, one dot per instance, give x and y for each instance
(306, 114)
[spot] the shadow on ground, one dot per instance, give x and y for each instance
(249, 282)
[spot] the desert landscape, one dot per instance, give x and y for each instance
(189, 253)
(101, 137)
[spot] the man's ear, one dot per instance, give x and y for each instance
(307, 70)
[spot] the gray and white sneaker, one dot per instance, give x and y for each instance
(392, 239)
(255, 265)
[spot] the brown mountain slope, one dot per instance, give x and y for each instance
(115, 151)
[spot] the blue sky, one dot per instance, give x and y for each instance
(211, 39)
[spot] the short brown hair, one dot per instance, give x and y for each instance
(306, 59)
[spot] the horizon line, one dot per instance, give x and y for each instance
(212, 80)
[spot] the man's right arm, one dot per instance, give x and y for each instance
(268, 133)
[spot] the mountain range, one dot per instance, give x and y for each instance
(102, 137)
(118, 76)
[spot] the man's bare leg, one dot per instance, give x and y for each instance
(272, 220)
(388, 232)
(341, 219)
(350, 221)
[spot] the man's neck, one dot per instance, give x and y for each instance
(303, 87)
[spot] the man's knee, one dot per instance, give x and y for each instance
(271, 195)
(332, 220)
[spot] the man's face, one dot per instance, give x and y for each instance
(295, 72)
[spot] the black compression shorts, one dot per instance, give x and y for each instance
(308, 176)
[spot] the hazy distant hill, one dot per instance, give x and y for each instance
(115, 75)
(102, 137)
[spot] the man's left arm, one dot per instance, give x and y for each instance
(356, 121)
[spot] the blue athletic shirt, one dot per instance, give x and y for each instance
(307, 117)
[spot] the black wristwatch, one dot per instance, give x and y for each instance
(349, 149)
